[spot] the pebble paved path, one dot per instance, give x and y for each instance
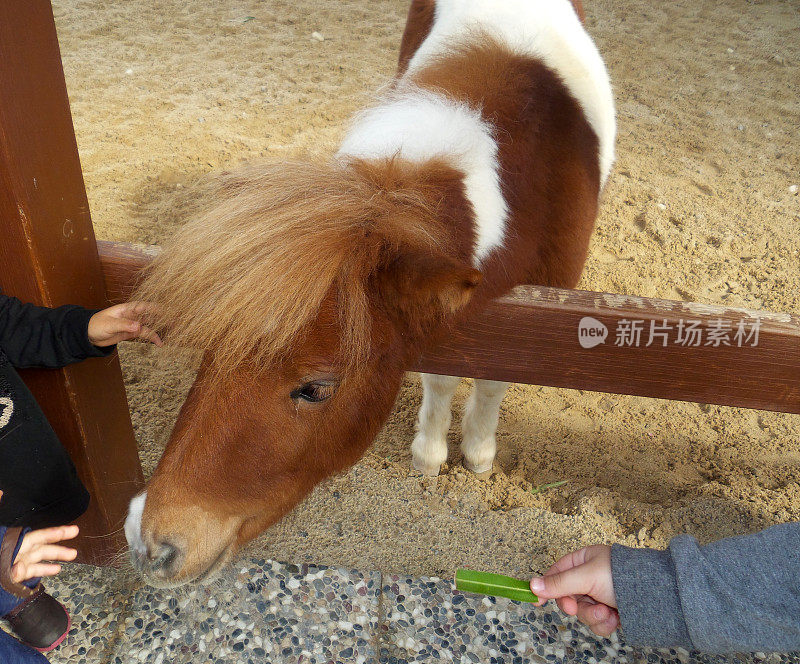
(263, 611)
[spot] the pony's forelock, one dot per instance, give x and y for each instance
(247, 277)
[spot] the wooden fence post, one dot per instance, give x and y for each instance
(48, 256)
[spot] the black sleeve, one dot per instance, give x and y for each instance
(32, 336)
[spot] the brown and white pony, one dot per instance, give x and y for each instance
(312, 287)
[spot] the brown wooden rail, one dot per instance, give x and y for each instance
(532, 336)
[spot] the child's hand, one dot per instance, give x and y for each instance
(121, 323)
(582, 586)
(39, 546)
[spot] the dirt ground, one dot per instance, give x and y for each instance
(699, 207)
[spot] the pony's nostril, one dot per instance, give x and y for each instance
(162, 556)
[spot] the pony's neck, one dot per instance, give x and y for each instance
(425, 127)
(427, 205)
(426, 278)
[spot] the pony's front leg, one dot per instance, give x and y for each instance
(429, 449)
(480, 423)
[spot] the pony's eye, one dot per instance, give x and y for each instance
(315, 391)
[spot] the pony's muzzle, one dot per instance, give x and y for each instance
(180, 544)
(156, 558)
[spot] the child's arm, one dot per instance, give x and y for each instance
(32, 336)
(121, 323)
(26, 556)
(39, 550)
(740, 594)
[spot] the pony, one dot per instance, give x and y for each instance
(311, 287)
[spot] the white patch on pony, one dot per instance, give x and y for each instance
(420, 125)
(548, 30)
(429, 449)
(133, 524)
(480, 424)
(7, 411)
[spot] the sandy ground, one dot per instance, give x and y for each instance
(698, 208)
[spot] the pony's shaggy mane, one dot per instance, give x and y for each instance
(247, 277)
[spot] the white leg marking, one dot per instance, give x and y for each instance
(429, 449)
(480, 423)
(133, 524)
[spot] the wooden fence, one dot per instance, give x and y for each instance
(653, 348)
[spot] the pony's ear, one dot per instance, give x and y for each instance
(421, 287)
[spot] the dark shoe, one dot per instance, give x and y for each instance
(39, 620)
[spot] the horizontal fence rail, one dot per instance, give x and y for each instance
(598, 341)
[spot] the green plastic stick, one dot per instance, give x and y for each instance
(497, 585)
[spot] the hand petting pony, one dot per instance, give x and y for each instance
(121, 322)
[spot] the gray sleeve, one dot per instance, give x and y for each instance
(740, 594)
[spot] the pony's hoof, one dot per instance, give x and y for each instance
(426, 469)
(482, 471)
